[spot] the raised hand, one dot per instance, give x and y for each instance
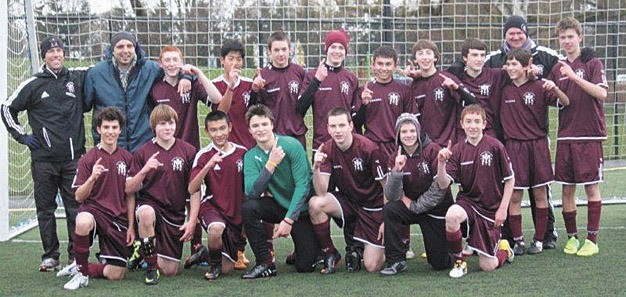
(548, 85)
(445, 153)
(319, 157)
(366, 95)
(97, 170)
(276, 154)
(400, 160)
(566, 70)
(233, 76)
(152, 163)
(215, 159)
(259, 81)
(448, 83)
(322, 70)
(411, 71)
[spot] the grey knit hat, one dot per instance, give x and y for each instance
(123, 35)
(408, 117)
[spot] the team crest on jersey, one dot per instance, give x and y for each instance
(121, 168)
(485, 89)
(423, 166)
(70, 89)
(486, 158)
(186, 98)
(246, 97)
(177, 163)
(438, 94)
(580, 73)
(394, 98)
(294, 87)
(239, 164)
(345, 87)
(358, 164)
(529, 98)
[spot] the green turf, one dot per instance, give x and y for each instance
(551, 273)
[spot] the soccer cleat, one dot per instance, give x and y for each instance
(77, 281)
(330, 261)
(459, 269)
(152, 277)
(410, 254)
(549, 244)
(291, 258)
(588, 249)
(201, 253)
(49, 264)
(135, 259)
(242, 261)
(519, 248)
(536, 247)
(353, 261)
(504, 245)
(571, 246)
(394, 268)
(69, 270)
(213, 273)
(259, 271)
(424, 255)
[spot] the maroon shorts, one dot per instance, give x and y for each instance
(579, 163)
(111, 233)
(368, 220)
(482, 234)
(167, 244)
(208, 216)
(531, 162)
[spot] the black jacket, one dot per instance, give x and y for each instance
(54, 106)
(543, 57)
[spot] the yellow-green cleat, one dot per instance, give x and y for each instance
(588, 249)
(571, 246)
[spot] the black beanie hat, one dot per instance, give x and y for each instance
(50, 43)
(516, 21)
(123, 35)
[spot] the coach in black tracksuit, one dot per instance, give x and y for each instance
(52, 99)
(516, 36)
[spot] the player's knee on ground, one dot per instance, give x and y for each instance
(112, 272)
(392, 208)
(227, 266)
(84, 223)
(454, 217)
(487, 264)
(440, 261)
(249, 209)
(215, 231)
(146, 217)
(169, 268)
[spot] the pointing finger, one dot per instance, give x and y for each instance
(155, 155)
(98, 161)
(322, 61)
(449, 144)
(399, 151)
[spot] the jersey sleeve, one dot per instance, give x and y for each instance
(453, 166)
(598, 75)
(379, 170)
(505, 163)
(136, 163)
(83, 171)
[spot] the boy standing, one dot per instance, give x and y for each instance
(483, 169)
(105, 209)
(579, 155)
(220, 167)
(524, 117)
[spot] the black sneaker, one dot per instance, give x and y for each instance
(549, 244)
(330, 261)
(291, 258)
(213, 273)
(353, 261)
(152, 277)
(536, 247)
(201, 253)
(519, 248)
(260, 270)
(394, 268)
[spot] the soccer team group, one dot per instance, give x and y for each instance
(384, 156)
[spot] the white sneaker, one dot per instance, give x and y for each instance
(459, 269)
(78, 281)
(68, 270)
(410, 254)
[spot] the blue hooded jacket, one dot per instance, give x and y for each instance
(103, 88)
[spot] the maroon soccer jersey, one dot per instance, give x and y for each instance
(280, 95)
(486, 87)
(583, 118)
(107, 192)
(524, 110)
(438, 108)
(339, 89)
(166, 186)
(238, 109)
(186, 107)
(389, 101)
(357, 172)
(224, 183)
(481, 170)
(419, 172)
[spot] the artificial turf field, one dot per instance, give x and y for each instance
(551, 273)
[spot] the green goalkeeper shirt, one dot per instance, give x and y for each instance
(290, 184)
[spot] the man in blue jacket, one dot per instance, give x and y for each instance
(123, 79)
